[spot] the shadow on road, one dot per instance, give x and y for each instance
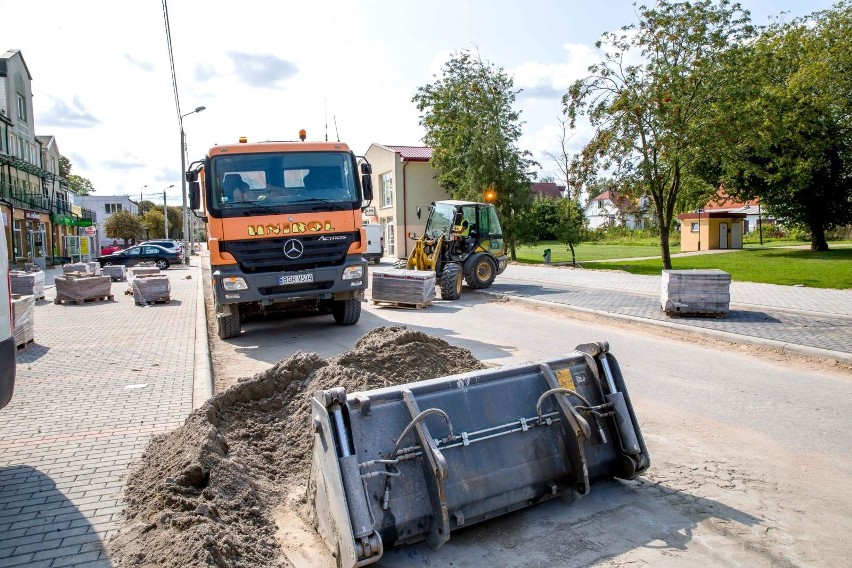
(638, 517)
(39, 525)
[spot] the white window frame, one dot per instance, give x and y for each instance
(693, 228)
(386, 182)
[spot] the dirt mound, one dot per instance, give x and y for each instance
(203, 494)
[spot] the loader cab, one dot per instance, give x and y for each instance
(471, 226)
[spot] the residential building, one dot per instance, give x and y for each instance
(34, 199)
(103, 207)
(547, 189)
(403, 182)
(611, 209)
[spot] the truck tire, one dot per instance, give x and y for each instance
(228, 326)
(482, 272)
(346, 312)
(451, 282)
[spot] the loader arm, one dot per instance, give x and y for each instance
(425, 254)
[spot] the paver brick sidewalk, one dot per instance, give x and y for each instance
(99, 381)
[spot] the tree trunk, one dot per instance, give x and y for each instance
(818, 242)
(665, 251)
(573, 256)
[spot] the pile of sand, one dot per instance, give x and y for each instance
(203, 495)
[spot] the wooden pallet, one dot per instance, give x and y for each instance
(149, 302)
(717, 315)
(59, 300)
(407, 305)
(22, 346)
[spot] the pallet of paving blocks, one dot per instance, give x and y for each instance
(696, 292)
(23, 308)
(404, 288)
(116, 273)
(28, 283)
(151, 289)
(76, 268)
(83, 288)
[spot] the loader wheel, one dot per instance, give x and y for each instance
(451, 282)
(482, 274)
(228, 326)
(401, 263)
(346, 312)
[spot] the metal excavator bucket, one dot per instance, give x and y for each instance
(414, 462)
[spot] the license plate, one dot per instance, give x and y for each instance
(296, 279)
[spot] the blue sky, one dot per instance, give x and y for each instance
(264, 69)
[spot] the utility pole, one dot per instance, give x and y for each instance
(186, 224)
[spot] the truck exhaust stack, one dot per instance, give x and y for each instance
(414, 462)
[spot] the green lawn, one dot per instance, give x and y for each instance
(831, 269)
(585, 252)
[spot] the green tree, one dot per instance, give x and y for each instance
(570, 226)
(124, 225)
(649, 116)
(78, 184)
(473, 130)
(145, 206)
(175, 222)
(154, 223)
(784, 131)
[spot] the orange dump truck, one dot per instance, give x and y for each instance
(284, 228)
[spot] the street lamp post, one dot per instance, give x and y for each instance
(186, 228)
(166, 210)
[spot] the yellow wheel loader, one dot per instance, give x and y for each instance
(402, 464)
(462, 240)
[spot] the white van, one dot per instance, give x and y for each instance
(8, 349)
(375, 243)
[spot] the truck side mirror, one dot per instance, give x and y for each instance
(366, 168)
(367, 185)
(194, 195)
(191, 176)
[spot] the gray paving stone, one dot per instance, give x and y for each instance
(72, 429)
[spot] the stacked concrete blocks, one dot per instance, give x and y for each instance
(83, 288)
(704, 292)
(150, 289)
(415, 288)
(76, 268)
(28, 283)
(116, 273)
(23, 308)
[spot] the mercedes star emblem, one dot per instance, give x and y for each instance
(293, 249)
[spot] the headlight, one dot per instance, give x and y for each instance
(353, 272)
(233, 283)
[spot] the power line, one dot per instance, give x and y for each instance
(171, 58)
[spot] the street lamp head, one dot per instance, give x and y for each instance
(169, 187)
(199, 109)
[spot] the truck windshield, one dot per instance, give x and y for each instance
(282, 181)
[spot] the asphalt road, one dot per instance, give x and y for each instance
(750, 451)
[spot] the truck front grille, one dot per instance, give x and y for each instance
(267, 255)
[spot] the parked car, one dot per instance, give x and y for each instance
(8, 349)
(160, 256)
(165, 243)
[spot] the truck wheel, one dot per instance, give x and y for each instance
(228, 326)
(346, 312)
(451, 282)
(482, 273)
